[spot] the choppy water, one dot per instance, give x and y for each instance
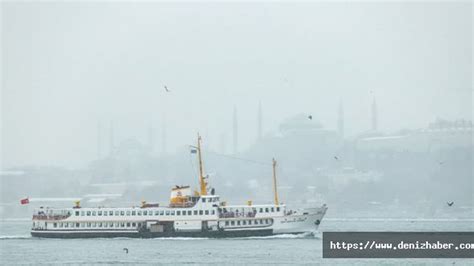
(17, 247)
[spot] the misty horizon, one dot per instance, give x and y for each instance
(109, 62)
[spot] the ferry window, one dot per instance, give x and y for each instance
(278, 209)
(111, 224)
(244, 222)
(88, 213)
(117, 224)
(178, 212)
(100, 224)
(195, 212)
(55, 225)
(238, 222)
(260, 221)
(232, 223)
(128, 213)
(93, 213)
(77, 213)
(94, 224)
(162, 212)
(83, 224)
(134, 224)
(77, 225)
(273, 209)
(266, 221)
(106, 224)
(184, 212)
(82, 213)
(168, 213)
(213, 212)
(261, 209)
(122, 213)
(99, 213)
(190, 212)
(111, 213)
(122, 224)
(172, 212)
(66, 225)
(89, 225)
(144, 212)
(105, 213)
(117, 213)
(157, 213)
(203, 199)
(206, 212)
(200, 212)
(128, 224)
(60, 225)
(139, 213)
(266, 209)
(150, 213)
(226, 223)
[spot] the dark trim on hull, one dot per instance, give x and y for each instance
(210, 234)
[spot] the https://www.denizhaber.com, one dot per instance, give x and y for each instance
(424, 245)
(398, 244)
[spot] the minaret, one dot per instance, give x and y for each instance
(99, 139)
(150, 138)
(163, 137)
(259, 125)
(235, 132)
(111, 138)
(374, 115)
(340, 120)
(223, 143)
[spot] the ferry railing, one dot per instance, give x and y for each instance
(231, 214)
(44, 216)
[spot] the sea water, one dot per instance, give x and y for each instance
(18, 247)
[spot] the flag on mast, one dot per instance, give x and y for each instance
(25, 201)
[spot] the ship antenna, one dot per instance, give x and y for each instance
(202, 182)
(275, 191)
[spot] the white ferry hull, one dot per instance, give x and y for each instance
(305, 222)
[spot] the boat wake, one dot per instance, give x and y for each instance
(308, 235)
(15, 237)
(180, 238)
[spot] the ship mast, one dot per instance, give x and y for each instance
(202, 182)
(275, 191)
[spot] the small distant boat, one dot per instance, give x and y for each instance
(189, 214)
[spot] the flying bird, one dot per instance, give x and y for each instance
(310, 117)
(166, 88)
(335, 157)
(450, 203)
(126, 250)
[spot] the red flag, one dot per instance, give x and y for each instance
(24, 201)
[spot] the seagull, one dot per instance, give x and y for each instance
(166, 88)
(310, 117)
(335, 157)
(126, 250)
(450, 203)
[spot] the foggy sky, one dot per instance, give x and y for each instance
(68, 66)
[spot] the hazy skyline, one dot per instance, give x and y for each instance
(68, 66)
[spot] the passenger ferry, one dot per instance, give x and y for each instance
(189, 214)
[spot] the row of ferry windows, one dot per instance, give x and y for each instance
(96, 225)
(248, 222)
(144, 213)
